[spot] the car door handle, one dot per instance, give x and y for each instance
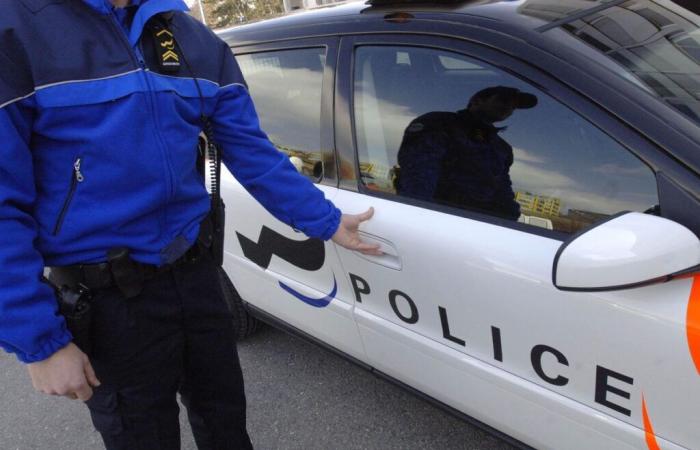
(390, 258)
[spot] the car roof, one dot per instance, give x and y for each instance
(503, 11)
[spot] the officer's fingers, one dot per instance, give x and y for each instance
(71, 396)
(83, 393)
(352, 221)
(90, 374)
(35, 383)
(369, 249)
(37, 377)
(365, 215)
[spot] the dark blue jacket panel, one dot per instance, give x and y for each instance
(456, 159)
(98, 149)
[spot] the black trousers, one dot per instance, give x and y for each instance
(176, 336)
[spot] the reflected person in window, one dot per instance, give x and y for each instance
(458, 158)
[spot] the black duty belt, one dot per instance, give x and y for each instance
(105, 275)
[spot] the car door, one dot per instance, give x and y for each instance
(462, 306)
(276, 269)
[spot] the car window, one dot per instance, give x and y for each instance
(440, 127)
(286, 87)
(654, 45)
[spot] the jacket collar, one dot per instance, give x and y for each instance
(147, 9)
(472, 121)
(99, 5)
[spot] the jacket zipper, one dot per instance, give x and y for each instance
(77, 177)
(138, 58)
(152, 103)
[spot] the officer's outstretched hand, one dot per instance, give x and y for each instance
(67, 372)
(348, 234)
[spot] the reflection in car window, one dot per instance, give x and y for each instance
(440, 127)
(286, 87)
(459, 158)
(652, 44)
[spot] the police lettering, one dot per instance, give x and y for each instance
(446, 328)
(497, 348)
(536, 359)
(360, 286)
(604, 389)
(393, 295)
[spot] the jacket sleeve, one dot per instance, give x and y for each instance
(265, 172)
(30, 326)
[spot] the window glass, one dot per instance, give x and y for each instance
(653, 44)
(286, 87)
(437, 126)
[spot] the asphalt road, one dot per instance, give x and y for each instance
(299, 397)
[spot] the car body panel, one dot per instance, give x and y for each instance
(485, 277)
(262, 286)
(517, 407)
(462, 307)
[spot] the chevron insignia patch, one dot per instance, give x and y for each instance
(166, 49)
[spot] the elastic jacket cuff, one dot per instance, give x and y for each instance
(333, 224)
(48, 347)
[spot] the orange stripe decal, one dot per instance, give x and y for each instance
(648, 430)
(692, 323)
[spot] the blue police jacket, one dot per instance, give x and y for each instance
(98, 147)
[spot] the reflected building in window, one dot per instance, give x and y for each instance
(311, 162)
(649, 41)
(540, 205)
(378, 177)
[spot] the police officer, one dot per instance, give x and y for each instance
(101, 105)
(458, 158)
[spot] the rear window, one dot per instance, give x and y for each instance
(286, 86)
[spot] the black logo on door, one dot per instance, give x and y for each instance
(309, 254)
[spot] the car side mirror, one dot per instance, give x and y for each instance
(626, 251)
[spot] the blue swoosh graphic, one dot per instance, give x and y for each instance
(315, 302)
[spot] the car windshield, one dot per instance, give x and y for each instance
(652, 43)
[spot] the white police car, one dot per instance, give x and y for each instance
(575, 325)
